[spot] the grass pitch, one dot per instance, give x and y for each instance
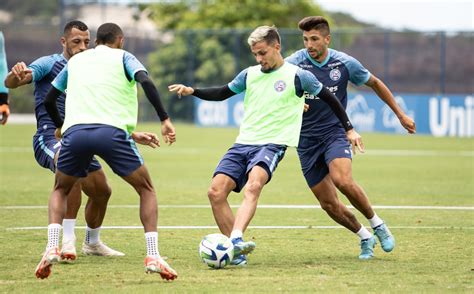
(416, 181)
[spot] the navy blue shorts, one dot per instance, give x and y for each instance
(240, 159)
(46, 146)
(316, 153)
(81, 142)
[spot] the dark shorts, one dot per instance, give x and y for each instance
(81, 142)
(46, 146)
(240, 159)
(316, 153)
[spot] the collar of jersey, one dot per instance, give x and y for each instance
(313, 61)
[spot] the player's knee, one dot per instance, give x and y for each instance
(254, 188)
(329, 206)
(214, 194)
(343, 183)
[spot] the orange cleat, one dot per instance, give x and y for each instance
(158, 265)
(50, 257)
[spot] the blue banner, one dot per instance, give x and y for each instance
(437, 115)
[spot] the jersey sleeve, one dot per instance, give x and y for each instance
(239, 83)
(309, 82)
(132, 65)
(358, 74)
(60, 82)
(41, 67)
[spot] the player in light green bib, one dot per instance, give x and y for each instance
(273, 109)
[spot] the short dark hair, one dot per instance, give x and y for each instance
(108, 33)
(269, 34)
(318, 23)
(74, 24)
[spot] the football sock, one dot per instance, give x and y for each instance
(68, 229)
(236, 234)
(363, 233)
(92, 236)
(375, 221)
(152, 244)
(53, 235)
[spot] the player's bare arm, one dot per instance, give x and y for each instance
(386, 95)
(19, 75)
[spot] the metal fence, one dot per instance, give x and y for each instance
(409, 62)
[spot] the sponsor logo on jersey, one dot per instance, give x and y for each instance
(335, 74)
(279, 86)
(334, 64)
(306, 95)
(306, 65)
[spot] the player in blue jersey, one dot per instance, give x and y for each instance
(42, 72)
(4, 108)
(323, 149)
(273, 107)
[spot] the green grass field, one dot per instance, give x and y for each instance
(434, 252)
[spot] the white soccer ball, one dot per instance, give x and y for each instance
(216, 250)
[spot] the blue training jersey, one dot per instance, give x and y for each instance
(334, 72)
(45, 69)
(305, 82)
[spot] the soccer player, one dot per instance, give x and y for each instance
(4, 108)
(323, 149)
(101, 114)
(42, 71)
(272, 122)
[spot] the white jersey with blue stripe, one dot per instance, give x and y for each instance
(334, 73)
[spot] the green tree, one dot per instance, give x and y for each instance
(209, 44)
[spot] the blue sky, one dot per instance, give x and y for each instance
(422, 15)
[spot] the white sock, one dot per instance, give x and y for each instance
(236, 234)
(68, 230)
(92, 236)
(363, 233)
(375, 221)
(53, 235)
(152, 244)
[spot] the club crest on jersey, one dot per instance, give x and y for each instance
(335, 74)
(279, 86)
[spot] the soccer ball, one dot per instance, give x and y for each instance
(216, 250)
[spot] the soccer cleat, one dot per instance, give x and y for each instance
(68, 251)
(50, 257)
(158, 265)
(387, 241)
(100, 249)
(240, 260)
(241, 247)
(367, 248)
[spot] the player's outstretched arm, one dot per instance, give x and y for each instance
(209, 94)
(19, 75)
(386, 95)
(181, 90)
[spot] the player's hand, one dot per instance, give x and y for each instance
(21, 71)
(306, 107)
(408, 123)
(168, 132)
(4, 113)
(356, 141)
(57, 134)
(146, 138)
(181, 89)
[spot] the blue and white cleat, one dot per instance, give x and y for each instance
(367, 248)
(387, 241)
(241, 247)
(240, 260)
